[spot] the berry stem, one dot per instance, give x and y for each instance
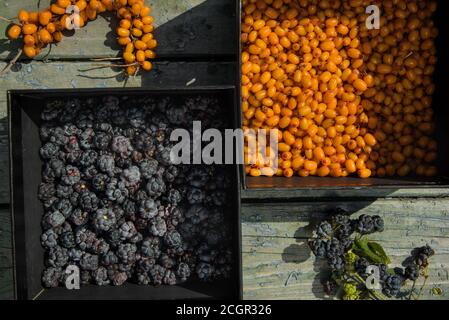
(11, 63)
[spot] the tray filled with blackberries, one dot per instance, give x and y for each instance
(100, 208)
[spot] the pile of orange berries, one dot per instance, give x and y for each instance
(39, 29)
(344, 99)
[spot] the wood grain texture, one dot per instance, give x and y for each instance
(184, 28)
(277, 263)
(6, 263)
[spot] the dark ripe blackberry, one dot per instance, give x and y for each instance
(52, 219)
(155, 187)
(63, 191)
(46, 191)
(197, 213)
(53, 169)
(412, 272)
(99, 182)
(65, 227)
(324, 230)
(365, 225)
(71, 130)
(64, 206)
(163, 155)
(422, 260)
(195, 196)
(169, 278)
(106, 164)
(113, 237)
(198, 177)
(58, 137)
(70, 111)
(127, 230)
(131, 177)
(144, 142)
(217, 198)
(109, 258)
(129, 207)
(330, 287)
(392, 285)
(86, 138)
(334, 248)
(116, 191)
(216, 217)
(49, 239)
(344, 231)
(158, 227)
(89, 262)
(140, 195)
(213, 237)
(173, 239)
(136, 157)
(150, 247)
(51, 111)
(102, 140)
(122, 146)
(45, 131)
(174, 197)
(319, 247)
(67, 240)
(136, 239)
(57, 257)
(166, 261)
(104, 219)
(336, 263)
(71, 176)
(204, 271)
(176, 216)
(171, 173)
(85, 277)
(136, 117)
(142, 278)
(421, 256)
(148, 168)
(378, 224)
(157, 274)
(79, 217)
(75, 255)
(148, 209)
(177, 114)
(126, 252)
(49, 151)
(100, 276)
(51, 277)
(73, 157)
(145, 264)
(346, 243)
(89, 158)
(85, 238)
(88, 201)
(183, 271)
(89, 173)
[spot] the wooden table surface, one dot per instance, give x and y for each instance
(276, 261)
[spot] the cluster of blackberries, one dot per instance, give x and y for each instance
(116, 206)
(332, 239)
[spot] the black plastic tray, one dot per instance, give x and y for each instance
(441, 97)
(24, 118)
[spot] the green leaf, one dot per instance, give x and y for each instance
(362, 249)
(379, 251)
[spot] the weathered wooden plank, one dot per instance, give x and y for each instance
(6, 284)
(284, 268)
(5, 232)
(277, 263)
(185, 28)
(404, 217)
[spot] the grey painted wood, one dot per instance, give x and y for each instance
(6, 263)
(277, 263)
(185, 28)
